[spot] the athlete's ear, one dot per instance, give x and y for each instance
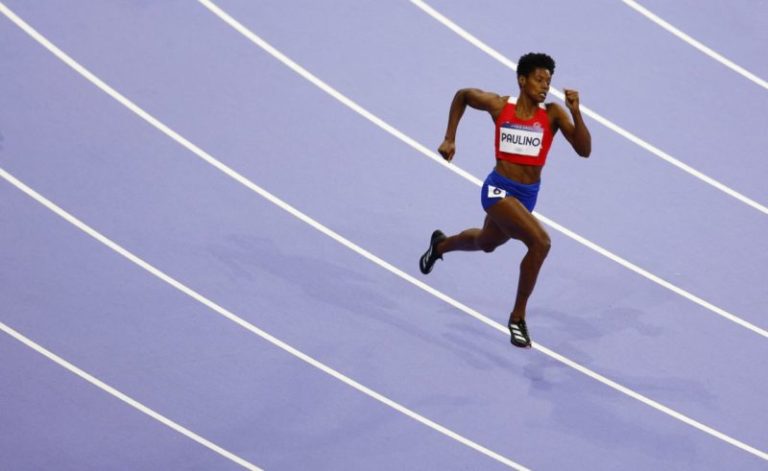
(521, 80)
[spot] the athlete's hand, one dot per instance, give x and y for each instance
(447, 149)
(572, 100)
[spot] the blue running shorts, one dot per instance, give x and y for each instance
(497, 187)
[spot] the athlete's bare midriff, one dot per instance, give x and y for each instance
(525, 174)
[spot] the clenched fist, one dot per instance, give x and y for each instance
(572, 100)
(447, 149)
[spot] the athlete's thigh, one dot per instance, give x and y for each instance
(510, 216)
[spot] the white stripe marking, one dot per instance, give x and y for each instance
(200, 153)
(698, 45)
(452, 167)
(247, 325)
(600, 119)
(127, 399)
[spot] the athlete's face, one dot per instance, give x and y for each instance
(536, 84)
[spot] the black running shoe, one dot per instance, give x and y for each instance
(519, 334)
(427, 261)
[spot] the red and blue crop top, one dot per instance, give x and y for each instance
(521, 141)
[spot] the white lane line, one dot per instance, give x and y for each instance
(698, 45)
(435, 157)
(592, 114)
(127, 399)
(247, 325)
(330, 233)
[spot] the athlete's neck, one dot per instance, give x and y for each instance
(525, 107)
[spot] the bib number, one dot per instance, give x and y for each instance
(494, 192)
(514, 140)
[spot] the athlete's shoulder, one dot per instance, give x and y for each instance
(505, 100)
(499, 100)
(553, 108)
(491, 102)
(480, 99)
(555, 112)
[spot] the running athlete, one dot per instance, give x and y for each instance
(525, 127)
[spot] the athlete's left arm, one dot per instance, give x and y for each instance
(575, 131)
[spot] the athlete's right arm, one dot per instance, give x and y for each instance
(475, 98)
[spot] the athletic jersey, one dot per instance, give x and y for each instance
(521, 141)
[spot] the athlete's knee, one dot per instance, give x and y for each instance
(487, 246)
(540, 244)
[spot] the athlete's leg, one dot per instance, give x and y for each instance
(485, 239)
(514, 219)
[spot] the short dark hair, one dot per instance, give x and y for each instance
(534, 60)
